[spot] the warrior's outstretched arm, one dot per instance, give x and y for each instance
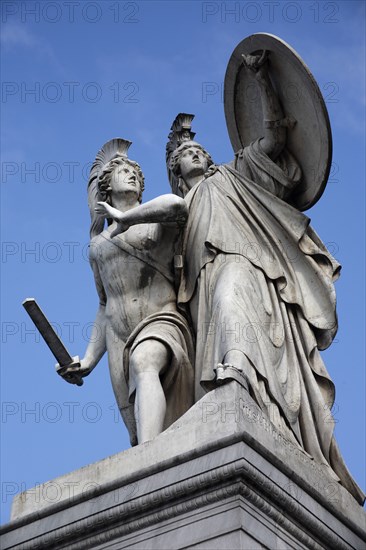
(274, 138)
(163, 209)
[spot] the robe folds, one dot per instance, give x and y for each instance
(258, 282)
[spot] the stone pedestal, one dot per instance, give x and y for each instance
(221, 477)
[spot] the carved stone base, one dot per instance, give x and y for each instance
(220, 477)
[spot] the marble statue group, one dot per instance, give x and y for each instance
(198, 287)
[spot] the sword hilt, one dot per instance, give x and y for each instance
(69, 372)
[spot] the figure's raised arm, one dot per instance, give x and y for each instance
(163, 209)
(274, 123)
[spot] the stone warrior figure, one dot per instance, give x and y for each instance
(258, 311)
(149, 343)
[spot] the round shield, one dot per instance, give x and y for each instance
(310, 139)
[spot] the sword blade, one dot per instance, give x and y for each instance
(47, 332)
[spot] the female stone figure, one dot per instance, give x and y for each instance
(257, 280)
(148, 342)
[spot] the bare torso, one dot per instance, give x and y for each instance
(132, 288)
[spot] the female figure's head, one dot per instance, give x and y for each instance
(189, 162)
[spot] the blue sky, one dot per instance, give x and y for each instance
(100, 70)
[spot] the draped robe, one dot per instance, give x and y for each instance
(258, 281)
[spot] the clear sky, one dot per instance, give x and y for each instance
(78, 74)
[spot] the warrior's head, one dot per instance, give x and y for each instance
(120, 175)
(113, 174)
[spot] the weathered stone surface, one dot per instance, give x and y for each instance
(250, 273)
(222, 476)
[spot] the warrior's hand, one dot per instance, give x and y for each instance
(256, 62)
(74, 374)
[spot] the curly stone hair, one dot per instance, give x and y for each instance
(105, 176)
(176, 155)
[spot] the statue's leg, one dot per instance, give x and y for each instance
(148, 360)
